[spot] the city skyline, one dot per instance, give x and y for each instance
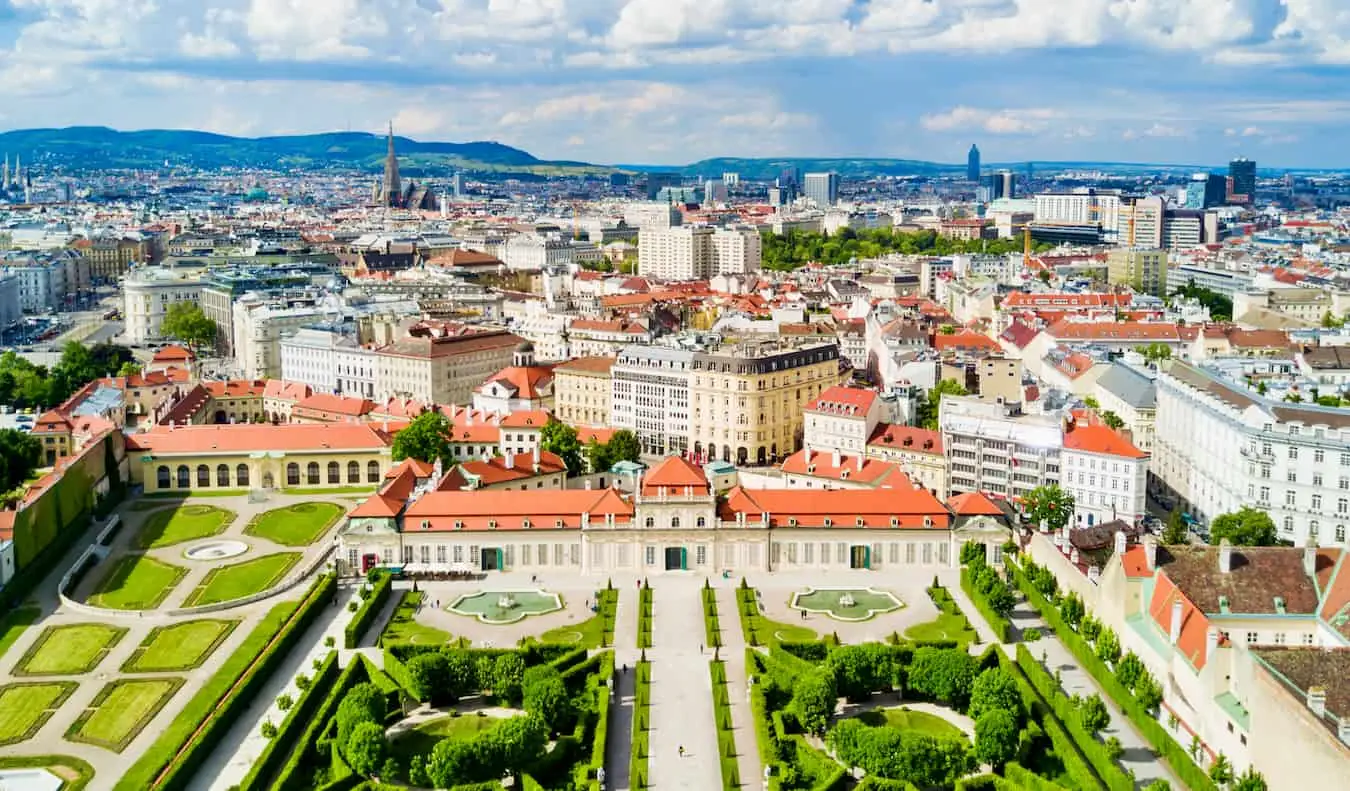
(619, 82)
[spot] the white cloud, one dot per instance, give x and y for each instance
(999, 122)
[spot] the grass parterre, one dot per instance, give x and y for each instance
(136, 582)
(238, 580)
(296, 525)
(69, 650)
(185, 523)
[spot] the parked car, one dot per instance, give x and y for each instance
(23, 419)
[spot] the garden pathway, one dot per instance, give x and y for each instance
(738, 691)
(681, 711)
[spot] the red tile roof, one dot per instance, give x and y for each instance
(674, 475)
(965, 340)
(907, 438)
(1194, 624)
(321, 403)
(173, 354)
(479, 510)
(974, 504)
(597, 365)
(522, 381)
(876, 508)
(821, 465)
(241, 437)
(1099, 438)
(496, 470)
(843, 401)
(1127, 331)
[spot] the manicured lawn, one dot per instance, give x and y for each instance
(242, 579)
(69, 650)
(182, 646)
(421, 740)
(353, 489)
(184, 523)
(136, 582)
(947, 626)
(76, 773)
(908, 720)
(404, 628)
(121, 710)
(13, 624)
(25, 707)
(297, 525)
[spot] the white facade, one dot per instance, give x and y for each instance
(651, 397)
(1104, 486)
(11, 306)
(146, 297)
(531, 252)
(1079, 208)
(1220, 447)
(311, 355)
(682, 253)
(258, 329)
(735, 250)
(991, 447)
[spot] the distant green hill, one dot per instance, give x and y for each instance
(95, 147)
(759, 169)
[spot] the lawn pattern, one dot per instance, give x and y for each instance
(403, 626)
(184, 523)
(121, 710)
(910, 720)
(296, 525)
(13, 624)
(26, 707)
(136, 582)
(179, 647)
(69, 650)
(236, 581)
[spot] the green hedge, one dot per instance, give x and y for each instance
(601, 736)
(292, 727)
(1153, 732)
(306, 752)
(644, 636)
(176, 756)
(369, 610)
(712, 627)
(1028, 780)
(726, 739)
(1076, 765)
(642, 701)
(1001, 626)
(746, 610)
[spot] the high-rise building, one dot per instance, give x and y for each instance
(998, 185)
(697, 252)
(823, 188)
(1206, 190)
(731, 179)
(1242, 174)
(715, 191)
(973, 163)
(790, 177)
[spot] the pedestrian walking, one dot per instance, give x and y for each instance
(681, 750)
(700, 649)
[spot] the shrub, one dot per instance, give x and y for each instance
(303, 681)
(428, 678)
(860, 670)
(365, 748)
(1031, 635)
(285, 702)
(543, 693)
(945, 674)
(995, 737)
(900, 755)
(994, 689)
(1093, 715)
(268, 730)
(373, 600)
(813, 700)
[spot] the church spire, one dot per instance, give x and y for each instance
(392, 186)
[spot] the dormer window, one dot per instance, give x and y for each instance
(459, 524)
(492, 524)
(557, 523)
(828, 522)
(792, 521)
(426, 524)
(860, 522)
(928, 521)
(525, 523)
(895, 521)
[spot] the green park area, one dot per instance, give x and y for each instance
(179, 647)
(136, 582)
(188, 522)
(227, 583)
(422, 738)
(759, 629)
(25, 707)
(69, 650)
(950, 624)
(404, 627)
(906, 719)
(121, 710)
(296, 525)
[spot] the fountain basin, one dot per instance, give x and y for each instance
(215, 550)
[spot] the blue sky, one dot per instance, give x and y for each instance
(672, 81)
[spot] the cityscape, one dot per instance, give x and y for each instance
(1014, 457)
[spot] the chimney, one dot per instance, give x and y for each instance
(834, 459)
(1310, 560)
(536, 457)
(1317, 700)
(1175, 633)
(1211, 642)
(510, 461)
(1151, 552)
(1225, 556)
(860, 462)
(1120, 542)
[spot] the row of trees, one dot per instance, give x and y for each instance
(24, 384)
(427, 438)
(796, 248)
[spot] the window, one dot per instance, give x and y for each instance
(353, 472)
(1317, 502)
(162, 477)
(334, 472)
(1319, 456)
(1251, 638)
(1313, 529)
(184, 477)
(222, 475)
(649, 522)
(1317, 479)
(292, 474)
(312, 473)
(1293, 451)
(674, 522)
(1279, 638)
(701, 555)
(895, 552)
(1265, 494)
(459, 554)
(701, 522)
(373, 472)
(1289, 524)
(909, 553)
(651, 555)
(1289, 498)
(1291, 476)
(1308, 639)
(241, 475)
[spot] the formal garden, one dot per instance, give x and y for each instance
(69, 650)
(846, 604)
(505, 606)
(240, 580)
(136, 582)
(179, 647)
(187, 522)
(296, 525)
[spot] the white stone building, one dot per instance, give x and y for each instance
(147, 294)
(1106, 474)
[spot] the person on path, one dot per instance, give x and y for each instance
(681, 750)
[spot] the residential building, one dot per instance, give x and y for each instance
(677, 253)
(918, 451)
(1327, 365)
(109, 257)
(525, 385)
(1222, 281)
(841, 420)
(809, 469)
(524, 472)
(1145, 271)
(1106, 474)
(442, 367)
(651, 397)
(11, 301)
(147, 294)
(993, 447)
(735, 250)
(1242, 181)
(582, 391)
(822, 189)
(259, 326)
(310, 355)
(1130, 393)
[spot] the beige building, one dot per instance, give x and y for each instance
(918, 451)
(147, 294)
(109, 257)
(582, 391)
(441, 368)
(1145, 271)
(679, 253)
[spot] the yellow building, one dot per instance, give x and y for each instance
(1145, 271)
(240, 456)
(745, 401)
(581, 391)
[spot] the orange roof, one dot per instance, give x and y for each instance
(334, 404)
(1099, 438)
(521, 466)
(522, 381)
(587, 433)
(419, 468)
(965, 339)
(821, 465)
(1135, 562)
(379, 506)
(51, 422)
(876, 508)
(910, 438)
(236, 388)
(1194, 624)
(508, 510)
(173, 354)
(525, 418)
(843, 401)
(242, 438)
(285, 391)
(594, 365)
(1127, 331)
(974, 504)
(674, 475)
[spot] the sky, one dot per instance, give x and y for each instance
(674, 81)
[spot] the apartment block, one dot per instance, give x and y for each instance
(992, 446)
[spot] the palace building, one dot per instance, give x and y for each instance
(423, 521)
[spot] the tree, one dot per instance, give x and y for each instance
(860, 670)
(508, 674)
(945, 674)
(1250, 780)
(426, 438)
(1092, 714)
(1176, 532)
(623, 445)
(1155, 352)
(561, 439)
(186, 322)
(1112, 420)
(1158, 785)
(1246, 527)
(1129, 669)
(1091, 403)
(363, 703)
(813, 698)
(20, 454)
(129, 369)
(1071, 610)
(1148, 692)
(928, 409)
(994, 689)
(545, 694)
(1108, 646)
(995, 737)
(1049, 504)
(597, 456)
(429, 678)
(1330, 321)
(1221, 771)
(365, 748)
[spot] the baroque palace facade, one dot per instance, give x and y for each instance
(672, 522)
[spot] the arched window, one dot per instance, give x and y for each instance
(312, 472)
(203, 475)
(222, 475)
(241, 475)
(292, 474)
(334, 472)
(163, 477)
(184, 477)
(675, 521)
(650, 522)
(702, 522)
(373, 472)
(353, 472)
